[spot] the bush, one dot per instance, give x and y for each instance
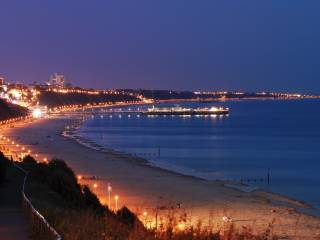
(4, 163)
(92, 201)
(29, 160)
(127, 217)
(62, 180)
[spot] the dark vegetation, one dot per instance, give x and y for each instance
(74, 210)
(77, 214)
(4, 163)
(54, 99)
(187, 95)
(165, 94)
(8, 110)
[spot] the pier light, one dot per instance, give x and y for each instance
(45, 159)
(79, 177)
(95, 185)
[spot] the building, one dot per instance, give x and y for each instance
(3, 88)
(57, 80)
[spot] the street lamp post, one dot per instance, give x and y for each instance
(109, 193)
(116, 199)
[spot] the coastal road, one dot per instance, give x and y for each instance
(12, 223)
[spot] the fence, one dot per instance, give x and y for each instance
(39, 225)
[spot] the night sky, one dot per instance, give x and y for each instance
(166, 44)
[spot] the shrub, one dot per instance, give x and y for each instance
(62, 180)
(4, 163)
(92, 201)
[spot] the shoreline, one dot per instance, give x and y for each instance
(85, 142)
(140, 185)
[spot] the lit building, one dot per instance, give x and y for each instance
(3, 88)
(1, 81)
(57, 80)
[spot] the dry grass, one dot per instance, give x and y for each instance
(87, 225)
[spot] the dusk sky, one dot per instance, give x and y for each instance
(173, 44)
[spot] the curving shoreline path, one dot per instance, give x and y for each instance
(144, 188)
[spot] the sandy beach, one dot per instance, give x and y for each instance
(148, 189)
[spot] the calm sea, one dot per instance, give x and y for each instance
(282, 136)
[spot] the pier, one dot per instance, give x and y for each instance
(172, 111)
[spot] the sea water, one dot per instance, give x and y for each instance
(258, 140)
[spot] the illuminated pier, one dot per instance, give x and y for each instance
(174, 111)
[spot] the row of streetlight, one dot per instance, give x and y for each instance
(20, 149)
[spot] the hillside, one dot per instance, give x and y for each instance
(8, 110)
(53, 99)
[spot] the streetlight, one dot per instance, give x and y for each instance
(180, 226)
(109, 193)
(116, 197)
(145, 217)
(95, 185)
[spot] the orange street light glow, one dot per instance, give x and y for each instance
(180, 226)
